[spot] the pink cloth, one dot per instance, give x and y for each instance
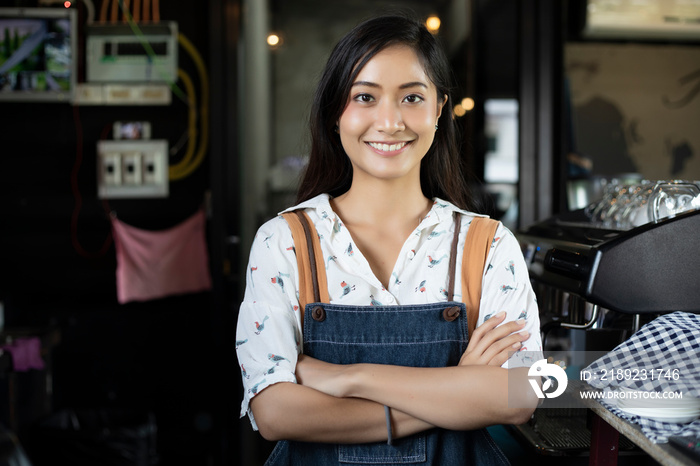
(26, 354)
(155, 264)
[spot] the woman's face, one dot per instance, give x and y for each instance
(389, 121)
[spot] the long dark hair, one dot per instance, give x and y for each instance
(329, 169)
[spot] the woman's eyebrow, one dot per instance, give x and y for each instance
(413, 84)
(365, 83)
(402, 86)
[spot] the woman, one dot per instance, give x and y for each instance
(372, 378)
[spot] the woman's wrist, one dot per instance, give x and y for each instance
(353, 380)
(349, 380)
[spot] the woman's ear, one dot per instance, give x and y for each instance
(440, 106)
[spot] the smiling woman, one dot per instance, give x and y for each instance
(385, 348)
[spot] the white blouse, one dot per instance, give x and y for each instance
(269, 338)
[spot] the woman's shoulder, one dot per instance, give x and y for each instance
(445, 209)
(315, 207)
(320, 202)
(272, 235)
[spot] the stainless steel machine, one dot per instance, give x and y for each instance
(651, 268)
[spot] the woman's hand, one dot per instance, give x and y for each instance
(322, 376)
(491, 345)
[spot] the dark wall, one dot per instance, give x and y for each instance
(57, 264)
(496, 36)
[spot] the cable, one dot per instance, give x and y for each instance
(115, 11)
(184, 137)
(126, 7)
(149, 50)
(175, 170)
(177, 173)
(103, 11)
(90, 11)
(137, 10)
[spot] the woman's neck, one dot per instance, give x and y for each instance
(382, 203)
(380, 217)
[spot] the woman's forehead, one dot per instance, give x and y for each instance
(396, 64)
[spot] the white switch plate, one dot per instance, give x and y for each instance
(132, 169)
(152, 166)
(111, 169)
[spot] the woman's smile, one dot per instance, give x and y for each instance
(388, 148)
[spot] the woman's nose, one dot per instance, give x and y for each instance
(389, 118)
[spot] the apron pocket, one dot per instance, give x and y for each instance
(410, 450)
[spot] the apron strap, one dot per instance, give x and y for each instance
(313, 287)
(478, 244)
(453, 258)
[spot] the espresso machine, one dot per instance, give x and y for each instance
(596, 286)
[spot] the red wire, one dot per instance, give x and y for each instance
(78, 198)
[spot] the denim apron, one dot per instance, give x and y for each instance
(426, 335)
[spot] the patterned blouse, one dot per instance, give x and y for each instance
(268, 337)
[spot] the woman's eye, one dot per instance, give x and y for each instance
(364, 98)
(413, 99)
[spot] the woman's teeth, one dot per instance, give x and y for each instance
(387, 147)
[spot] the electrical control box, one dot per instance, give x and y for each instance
(38, 54)
(117, 54)
(132, 169)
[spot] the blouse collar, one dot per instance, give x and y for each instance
(440, 211)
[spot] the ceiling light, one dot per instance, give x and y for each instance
(273, 40)
(433, 24)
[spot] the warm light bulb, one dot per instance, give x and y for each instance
(273, 40)
(467, 103)
(433, 24)
(459, 110)
(66, 4)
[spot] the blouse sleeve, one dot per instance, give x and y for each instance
(506, 287)
(268, 335)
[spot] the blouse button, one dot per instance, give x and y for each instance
(318, 314)
(451, 313)
(411, 254)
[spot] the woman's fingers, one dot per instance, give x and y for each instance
(489, 324)
(500, 351)
(491, 343)
(482, 330)
(485, 336)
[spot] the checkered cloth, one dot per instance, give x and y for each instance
(670, 347)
